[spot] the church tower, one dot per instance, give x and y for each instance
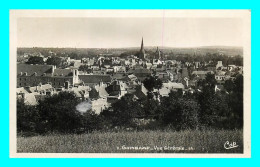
(142, 52)
(157, 54)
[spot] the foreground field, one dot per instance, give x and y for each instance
(211, 141)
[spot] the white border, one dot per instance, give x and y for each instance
(243, 14)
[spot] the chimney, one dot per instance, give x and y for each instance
(35, 73)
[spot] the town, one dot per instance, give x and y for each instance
(104, 79)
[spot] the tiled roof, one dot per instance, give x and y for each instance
(101, 90)
(139, 70)
(31, 69)
(119, 76)
(62, 72)
(95, 78)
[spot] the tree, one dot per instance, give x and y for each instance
(152, 83)
(58, 112)
(180, 113)
(84, 68)
(54, 61)
(151, 106)
(91, 121)
(28, 118)
(236, 101)
(216, 111)
(208, 84)
(35, 60)
(229, 85)
(124, 110)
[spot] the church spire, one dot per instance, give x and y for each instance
(142, 52)
(142, 47)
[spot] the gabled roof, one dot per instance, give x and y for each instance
(62, 72)
(40, 88)
(30, 99)
(95, 78)
(118, 76)
(101, 90)
(31, 69)
(140, 70)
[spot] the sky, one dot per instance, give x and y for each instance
(128, 32)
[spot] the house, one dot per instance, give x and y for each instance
(119, 69)
(173, 85)
(33, 75)
(168, 87)
(140, 73)
(99, 105)
(201, 74)
(119, 77)
(148, 65)
(132, 77)
(140, 92)
(101, 89)
(21, 90)
(219, 65)
(41, 89)
(117, 89)
(92, 80)
(31, 95)
(29, 98)
(231, 67)
(163, 76)
(81, 92)
(157, 62)
(220, 77)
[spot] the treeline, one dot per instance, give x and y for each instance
(215, 57)
(199, 110)
(57, 61)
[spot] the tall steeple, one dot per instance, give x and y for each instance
(142, 46)
(142, 52)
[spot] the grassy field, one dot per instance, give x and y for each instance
(209, 141)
